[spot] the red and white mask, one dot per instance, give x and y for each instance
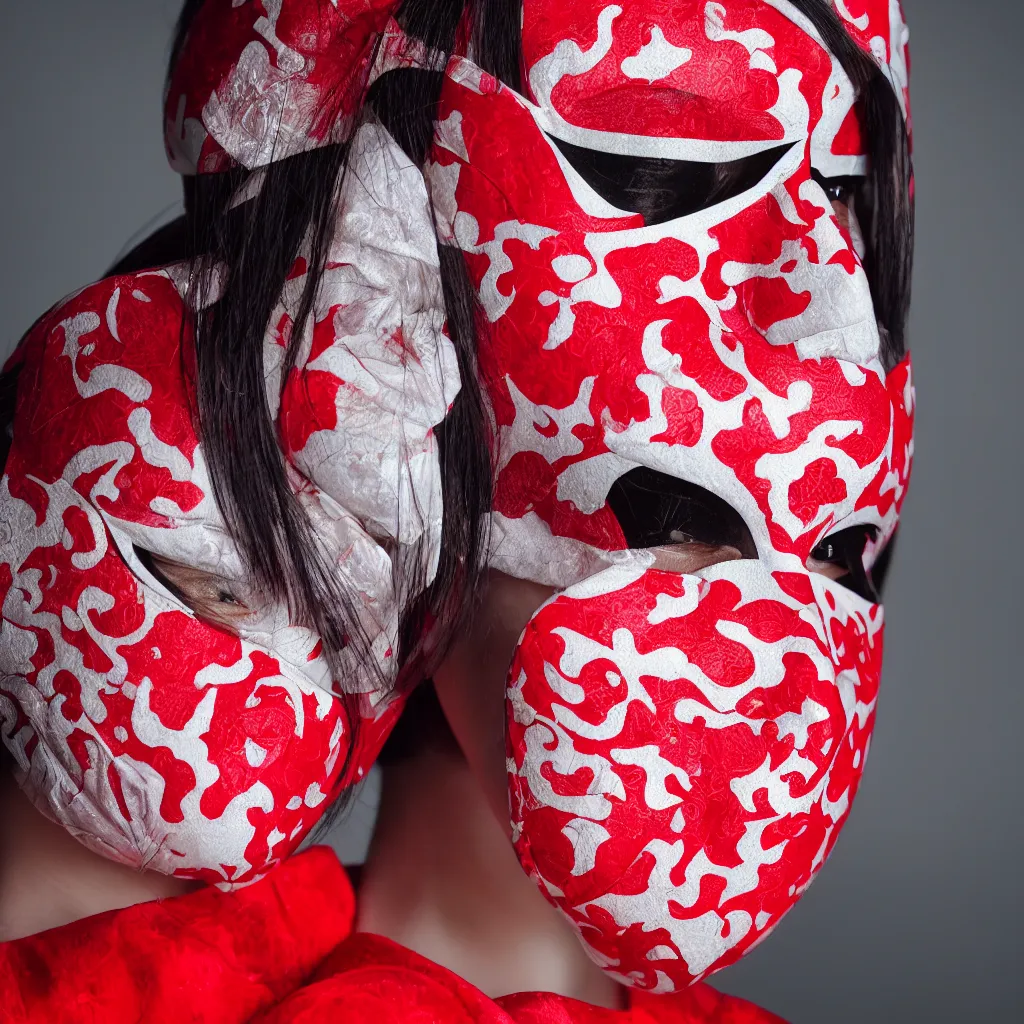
(261, 80)
(162, 739)
(683, 747)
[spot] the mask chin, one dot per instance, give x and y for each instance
(683, 751)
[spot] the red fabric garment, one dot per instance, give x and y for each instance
(205, 957)
(281, 951)
(372, 980)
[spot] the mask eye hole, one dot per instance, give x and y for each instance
(693, 527)
(841, 558)
(662, 190)
(213, 598)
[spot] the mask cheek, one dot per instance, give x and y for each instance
(167, 745)
(682, 753)
(815, 295)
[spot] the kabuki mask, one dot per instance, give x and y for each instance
(207, 746)
(683, 748)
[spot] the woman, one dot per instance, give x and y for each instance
(688, 231)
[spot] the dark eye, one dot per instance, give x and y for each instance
(661, 190)
(839, 190)
(850, 195)
(844, 553)
(655, 510)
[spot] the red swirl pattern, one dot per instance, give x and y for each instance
(682, 750)
(262, 80)
(160, 740)
(683, 753)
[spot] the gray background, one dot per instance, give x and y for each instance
(917, 916)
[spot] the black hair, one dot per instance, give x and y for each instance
(258, 242)
(8, 399)
(888, 192)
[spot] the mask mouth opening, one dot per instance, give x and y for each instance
(662, 190)
(655, 510)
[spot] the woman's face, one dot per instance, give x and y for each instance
(701, 448)
(158, 705)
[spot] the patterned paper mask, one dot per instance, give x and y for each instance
(683, 748)
(158, 739)
(262, 80)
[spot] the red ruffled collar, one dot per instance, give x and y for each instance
(281, 950)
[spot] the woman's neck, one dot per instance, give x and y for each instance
(441, 879)
(48, 879)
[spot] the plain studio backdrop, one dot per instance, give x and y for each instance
(916, 917)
